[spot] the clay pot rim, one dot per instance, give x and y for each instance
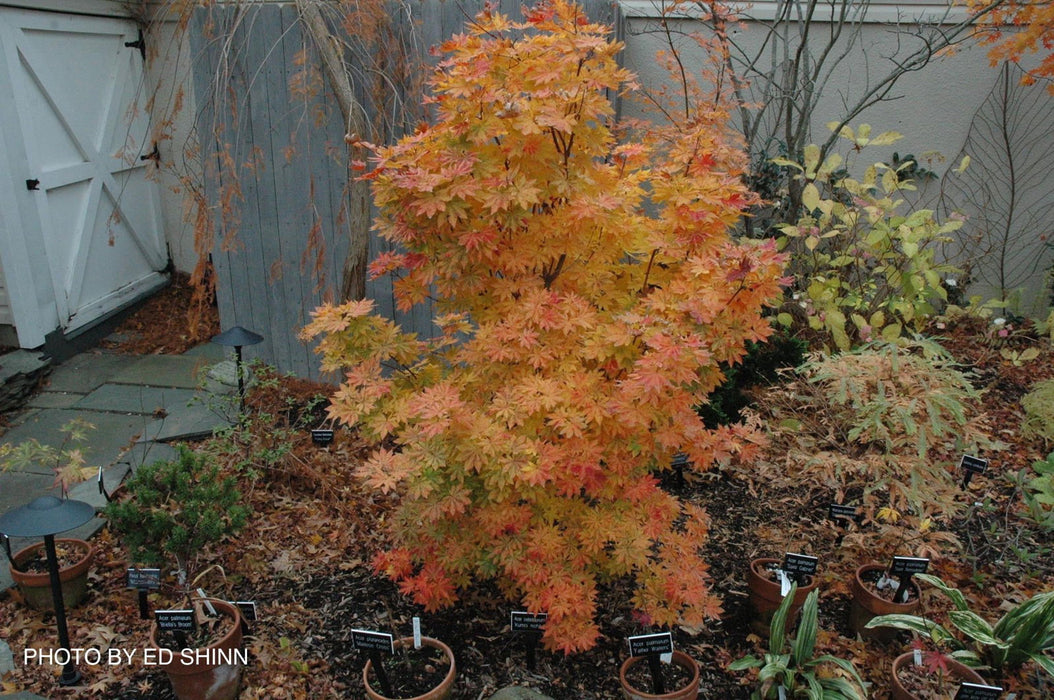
(448, 679)
(859, 586)
(66, 573)
(956, 668)
(764, 581)
(685, 660)
(231, 640)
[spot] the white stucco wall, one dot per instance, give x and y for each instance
(932, 108)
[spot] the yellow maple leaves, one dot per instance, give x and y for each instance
(587, 291)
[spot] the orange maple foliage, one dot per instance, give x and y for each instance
(1032, 30)
(587, 290)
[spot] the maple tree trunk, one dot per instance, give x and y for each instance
(353, 277)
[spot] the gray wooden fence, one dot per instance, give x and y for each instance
(276, 165)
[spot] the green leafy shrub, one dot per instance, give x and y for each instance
(1039, 411)
(176, 508)
(875, 422)
(864, 267)
(792, 664)
(1039, 492)
(1022, 634)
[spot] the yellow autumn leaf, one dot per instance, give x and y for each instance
(888, 514)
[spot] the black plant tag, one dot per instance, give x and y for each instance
(321, 437)
(908, 566)
(175, 620)
(974, 691)
(521, 621)
(372, 641)
(645, 644)
(144, 579)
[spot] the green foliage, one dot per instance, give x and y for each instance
(898, 397)
(1039, 411)
(864, 268)
(873, 421)
(176, 508)
(1039, 492)
(791, 664)
(1022, 634)
(67, 460)
(760, 365)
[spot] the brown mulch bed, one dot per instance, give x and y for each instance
(170, 322)
(304, 560)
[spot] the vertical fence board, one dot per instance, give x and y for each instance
(292, 167)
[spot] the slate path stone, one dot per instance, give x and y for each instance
(21, 372)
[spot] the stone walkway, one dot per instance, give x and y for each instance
(138, 405)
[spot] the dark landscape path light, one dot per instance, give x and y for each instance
(237, 338)
(44, 517)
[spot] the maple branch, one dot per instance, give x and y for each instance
(647, 271)
(550, 274)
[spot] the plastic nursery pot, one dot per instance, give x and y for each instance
(211, 674)
(866, 605)
(440, 692)
(686, 692)
(958, 674)
(765, 596)
(36, 587)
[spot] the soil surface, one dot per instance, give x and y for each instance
(930, 681)
(305, 559)
(411, 672)
(37, 563)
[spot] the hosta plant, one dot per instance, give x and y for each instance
(587, 291)
(864, 263)
(1023, 634)
(792, 664)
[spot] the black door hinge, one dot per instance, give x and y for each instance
(154, 155)
(32, 185)
(139, 43)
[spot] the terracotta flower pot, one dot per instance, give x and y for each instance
(36, 588)
(765, 596)
(687, 692)
(866, 605)
(440, 692)
(217, 677)
(957, 672)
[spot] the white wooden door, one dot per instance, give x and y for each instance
(72, 109)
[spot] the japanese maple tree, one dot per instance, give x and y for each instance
(588, 289)
(1031, 30)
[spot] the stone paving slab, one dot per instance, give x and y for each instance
(194, 422)
(19, 488)
(133, 398)
(162, 370)
(85, 372)
(147, 453)
(113, 431)
(210, 352)
(54, 399)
